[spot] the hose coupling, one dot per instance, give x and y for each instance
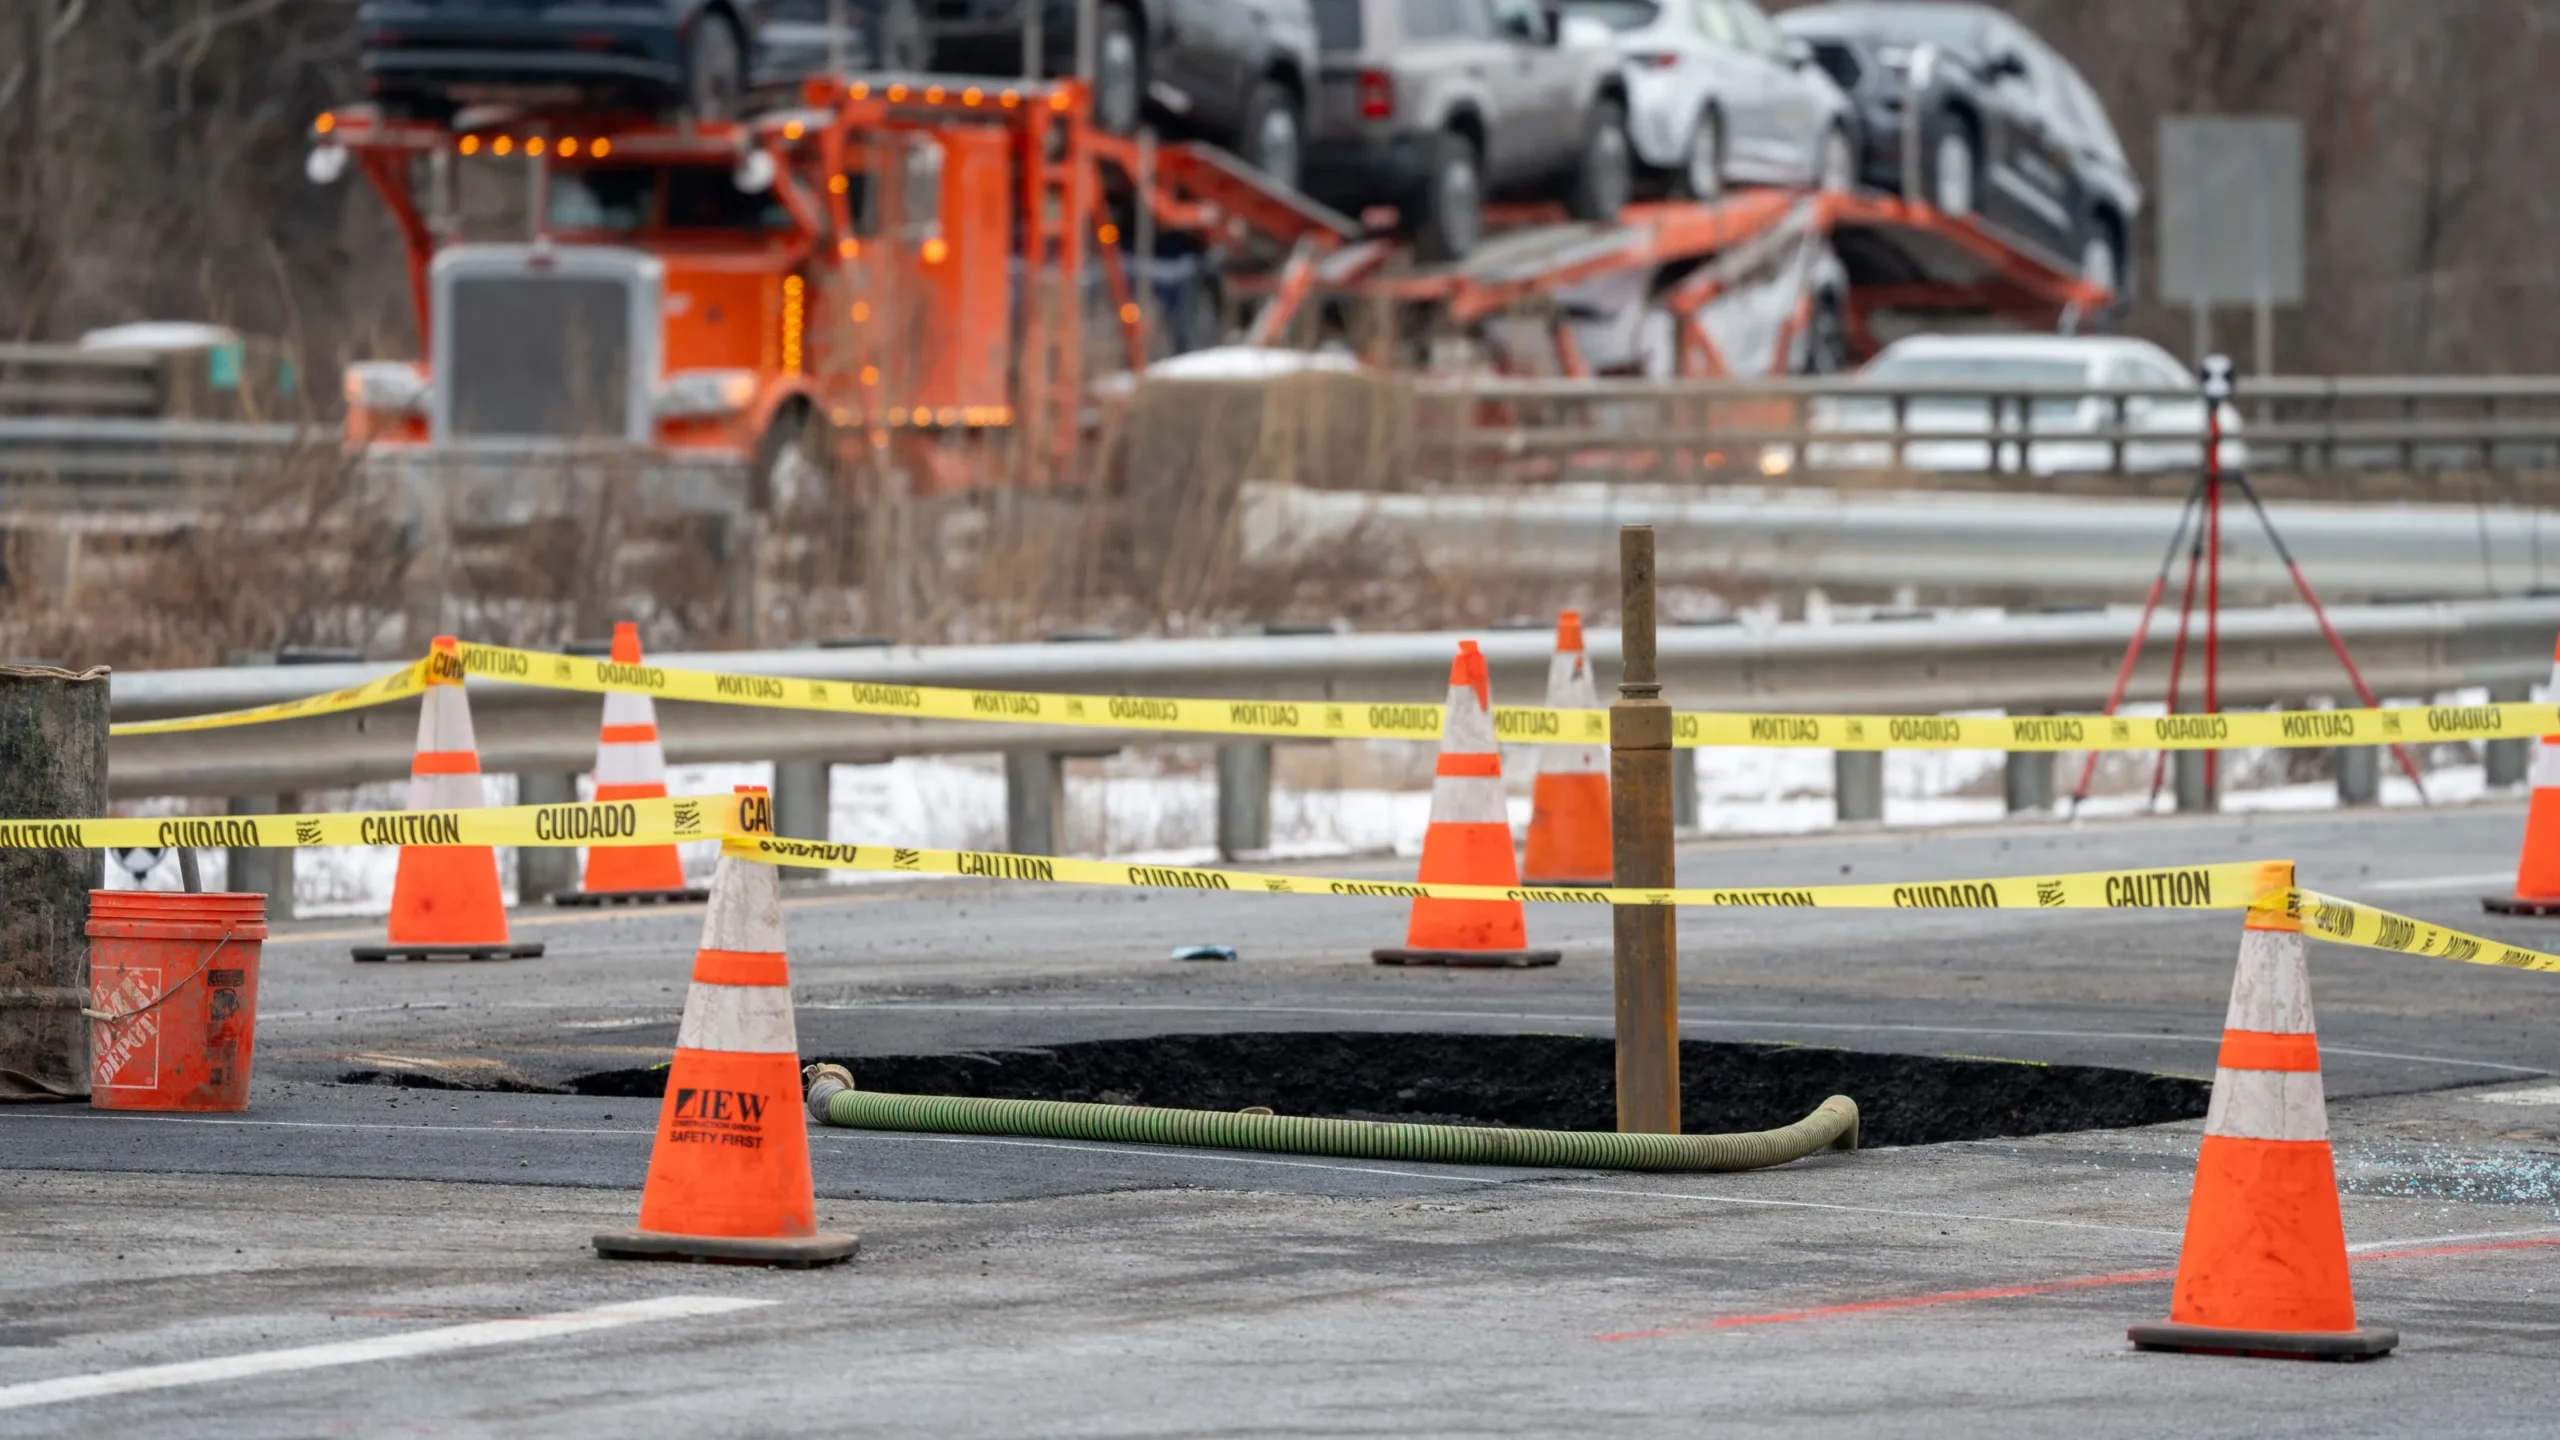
(825, 1082)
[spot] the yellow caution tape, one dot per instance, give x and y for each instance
(2350, 922)
(2232, 885)
(614, 822)
(2227, 886)
(1520, 724)
(1390, 720)
(398, 685)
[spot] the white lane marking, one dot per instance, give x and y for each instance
(2423, 1240)
(357, 1352)
(1756, 1201)
(132, 1119)
(1685, 1023)
(2539, 1095)
(2429, 882)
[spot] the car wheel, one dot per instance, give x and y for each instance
(795, 462)
(1450, 212)
(1826, 338)
(1119, 72)
(1835, 165)
(1271, 131)
(1952, 168)
(1607, 172)
(715, 70)
(902, 45)
(1701, 172)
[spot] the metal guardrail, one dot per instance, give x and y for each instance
(65, 380)
(2289, 423)
(110, 463)
(1983, 546)
(2048, 662)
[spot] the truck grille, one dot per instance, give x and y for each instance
(538, 356)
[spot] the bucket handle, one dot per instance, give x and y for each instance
(118, 1017)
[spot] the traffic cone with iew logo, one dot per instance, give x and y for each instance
(2537, 889)
(630, 765)
(1569, 838)
(729, 1177)
(1469, 842)
(445, 899)
(2263, 1270)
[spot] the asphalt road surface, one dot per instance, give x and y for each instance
(360, 1259)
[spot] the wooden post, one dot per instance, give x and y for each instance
(1647, 948)
(53, 765)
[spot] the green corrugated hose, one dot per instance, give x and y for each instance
(832, 1098)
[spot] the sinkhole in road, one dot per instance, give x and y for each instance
(1547, 1082)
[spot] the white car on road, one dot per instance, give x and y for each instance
(1716, 94)
(2051, 387)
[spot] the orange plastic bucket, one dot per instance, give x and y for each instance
(173, 998)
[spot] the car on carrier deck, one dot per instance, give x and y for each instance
(426, 59)
(2009, 130)
(1716, 94)
(2058, 389)
(1436, 106)
(1236, 73)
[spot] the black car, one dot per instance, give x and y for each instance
(1232, 72)
(2007, 128)
(428, 58)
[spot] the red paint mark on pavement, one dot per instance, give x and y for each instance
(2041, 1287)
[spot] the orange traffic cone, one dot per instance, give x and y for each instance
(2538, 867)
(2264, 1267)
(1469, 842)
(1569, 842)
(630, 766)
(445, 902)
(729, 1177)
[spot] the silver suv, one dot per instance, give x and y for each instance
(1434, 106)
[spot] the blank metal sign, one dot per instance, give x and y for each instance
(2230, 203)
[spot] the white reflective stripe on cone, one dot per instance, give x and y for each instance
(742, 1019)
(1569, 687)
(1469, 729)
(1468, 800)
(2272, 990)
(2546, 765)
(2267, 1105)
(621, 707)
(746, 908)
(632, 764)
(446, 792)
(444, 720)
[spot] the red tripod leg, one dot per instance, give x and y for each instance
(2141, 635)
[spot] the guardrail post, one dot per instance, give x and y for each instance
(1857, 786)
(2193, 795)
(2506, 761)
(53, 765)
(1684, 790)
(803, 794)
(260, 872)
(1244, 799)
(2028, 780)
(1646, 948)
(2359, 774)
(543, 871)
(1035, 801)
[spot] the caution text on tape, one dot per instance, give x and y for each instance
(1395, 720)
(613, 822)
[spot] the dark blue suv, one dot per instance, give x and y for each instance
(428, 58)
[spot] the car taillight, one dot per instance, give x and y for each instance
(1377, 95)
(1653, 62)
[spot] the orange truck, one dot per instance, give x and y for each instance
(733, 311)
